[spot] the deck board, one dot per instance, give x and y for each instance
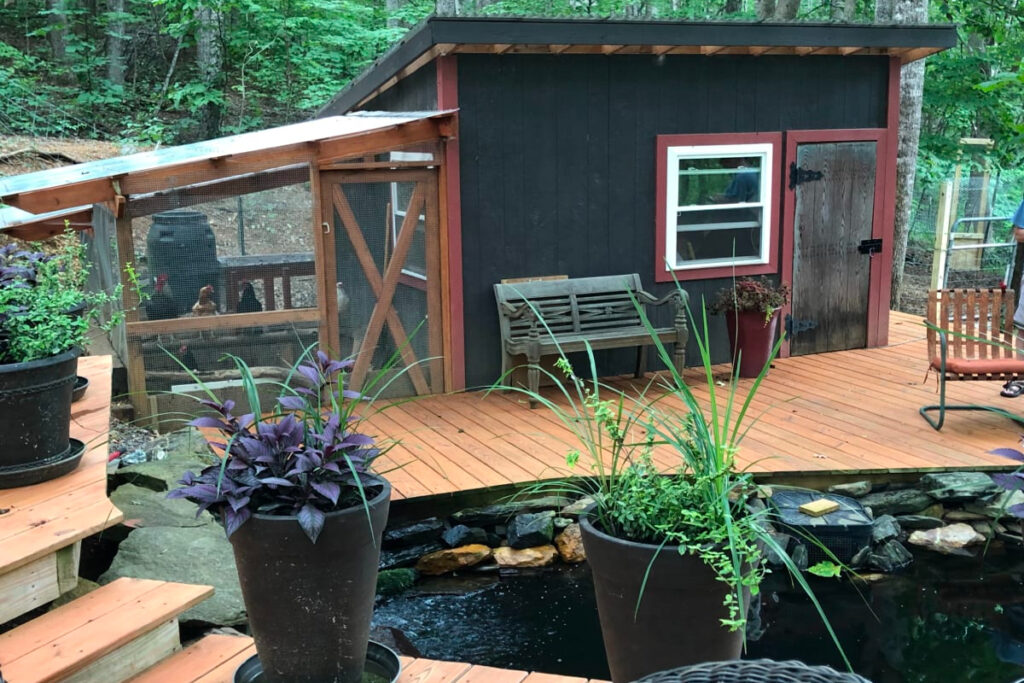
(842, 413)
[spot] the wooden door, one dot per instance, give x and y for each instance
(386, 250)
(834, 199)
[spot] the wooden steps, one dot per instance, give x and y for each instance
(215, 658)
(105, 636)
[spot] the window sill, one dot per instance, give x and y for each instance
(717, 271)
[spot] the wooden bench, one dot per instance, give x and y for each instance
(551, 317)
(971, 337)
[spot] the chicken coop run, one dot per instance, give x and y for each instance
(323, 234)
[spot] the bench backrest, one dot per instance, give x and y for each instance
(970, 315)
(575, 306)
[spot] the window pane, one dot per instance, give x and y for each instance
(719, 180)
(718, 234)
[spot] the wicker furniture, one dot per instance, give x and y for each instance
(753, 671)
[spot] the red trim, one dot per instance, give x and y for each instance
(663, 142)
(878, 270)
(889, 207)
(448, 98)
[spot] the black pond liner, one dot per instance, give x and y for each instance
(81, 386)
(382, 664)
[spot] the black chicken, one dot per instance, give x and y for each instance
(161, 305)
(187, 358)
(248, 303)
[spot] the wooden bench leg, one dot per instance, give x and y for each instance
(533, 378)
(641, 361)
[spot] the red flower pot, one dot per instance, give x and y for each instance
(751, 338)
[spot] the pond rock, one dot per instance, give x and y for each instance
(994, 507)
(540, 556)
(962, 516)
(919, 522)
(947, 540)
(503, 512)
(143, 507)
(406, 557)
(573, 510)
(890, 557)
(531, 530)
(460, 534)
(860, 558)
(884, 528)
(451, 559)
(854, 489)
(958, 486)
(906, 501)
(182, 450)
(417, 533)
(570, 545)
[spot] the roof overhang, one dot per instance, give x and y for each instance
(506, 36)
(139, 184)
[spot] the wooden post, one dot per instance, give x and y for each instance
(435, 317)
(942, 222)
(130, 299)
(326, 262)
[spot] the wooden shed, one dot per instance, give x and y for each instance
(602, 147)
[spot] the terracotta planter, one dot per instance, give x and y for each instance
(678, 621)
(751, 339)
(310, 604)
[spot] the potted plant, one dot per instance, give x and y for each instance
(45, 315)
(751, 309)
(304, 516)
(675, 559)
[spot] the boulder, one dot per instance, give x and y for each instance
(962, 516)
(884, 528)
(541, 556)
(994, 507)
(853, 489)
(919, 522)
(860, 558)
(906, 501)
(143, 507)
(200, 555)
(417, 533)
(503, 512)
(573, 510)
(406, 557)
(531, 530)
(394, 581)
(952, 487)
(460, 535)
(948, 540)
(890, 557)
(451, 559)
(182, 450)
(570, 545)
(562, 523)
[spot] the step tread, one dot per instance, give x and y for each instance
(61, 642)
(200, 659)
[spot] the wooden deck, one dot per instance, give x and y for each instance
(838, 414)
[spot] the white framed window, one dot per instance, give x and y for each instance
(718, 205)
(401, 192)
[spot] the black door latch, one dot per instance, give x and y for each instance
(870, 247)
(799, 175)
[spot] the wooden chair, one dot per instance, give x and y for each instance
(971, 337)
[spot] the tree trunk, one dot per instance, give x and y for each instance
(733, 6)
(210, 62)
(883, 11)
(116, 38)
(392, 6)
(58, 29)
(786, 10)
(448, 8)
(843, 10)
(765, 9)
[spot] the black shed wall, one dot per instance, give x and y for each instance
(557, 159)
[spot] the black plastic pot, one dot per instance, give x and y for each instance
(81, 386)
(310, 604)
(678, 621)
(35, 418)
(382, 664)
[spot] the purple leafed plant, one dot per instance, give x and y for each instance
(305, 459)
(1014, 481)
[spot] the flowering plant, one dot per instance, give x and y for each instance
(748, 294)
(304, 459)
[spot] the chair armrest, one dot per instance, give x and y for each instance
(678, 295)
(516, 312)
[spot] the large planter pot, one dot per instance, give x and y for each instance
(310, 604)
(35, 419)
(678, 620)
(751, 338)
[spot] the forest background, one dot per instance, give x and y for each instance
(157, 72)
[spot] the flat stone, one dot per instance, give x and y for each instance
(884, 528)
(799, 556)
(451, 559)
(994, 507)
(783, 541)
(460, 535)
(854, 489)
(570, 545)
(984, 528)
(957, 486)
(199, 555)
(948, 539)
(906, 501)
(143, 507)
(962, 516)
(531, 530)
(541, 556)
(890, 557)
(919, 522)
(871, 577)
(418, 533)
(562, 522)
(182, 450)
(406, 557)
(860, 558)
(937, 510)
(574, 510)
(503, 512)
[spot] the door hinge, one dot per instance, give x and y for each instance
(794, 326)
(799, 175)
(870, 247)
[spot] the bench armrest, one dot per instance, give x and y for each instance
(678, 295)
(515, 312)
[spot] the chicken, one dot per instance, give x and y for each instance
(344, 321)
(248, 303)
(206, 304)
(343, 301)
(187, 358)
(161, 305)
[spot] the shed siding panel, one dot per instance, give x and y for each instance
(557, 160)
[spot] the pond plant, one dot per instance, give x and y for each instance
(45, 317)
(751, 309)
(675, 558)
(304, 515)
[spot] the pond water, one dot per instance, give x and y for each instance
(947, 619)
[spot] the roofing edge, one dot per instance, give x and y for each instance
(539, 31)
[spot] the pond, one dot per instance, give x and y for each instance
(946, 619)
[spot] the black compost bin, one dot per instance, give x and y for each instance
(182, 246)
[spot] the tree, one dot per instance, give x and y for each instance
(210, 63)
(57, 33)
(786, 10)
(116, 32)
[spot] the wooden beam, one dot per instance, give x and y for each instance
(393, 137)
(51, 227)
(803, 51)
(502, 48)
(848, 51)
(135, 364)
(230, 187)
(661, 49)
(709, 50)
(326, 264)
(205, 323)
(378, 165)
(435, 315)
(757, 50)
(411, 68)
(611, 49)
(558, 49)
(69, 196)
(917, 53)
